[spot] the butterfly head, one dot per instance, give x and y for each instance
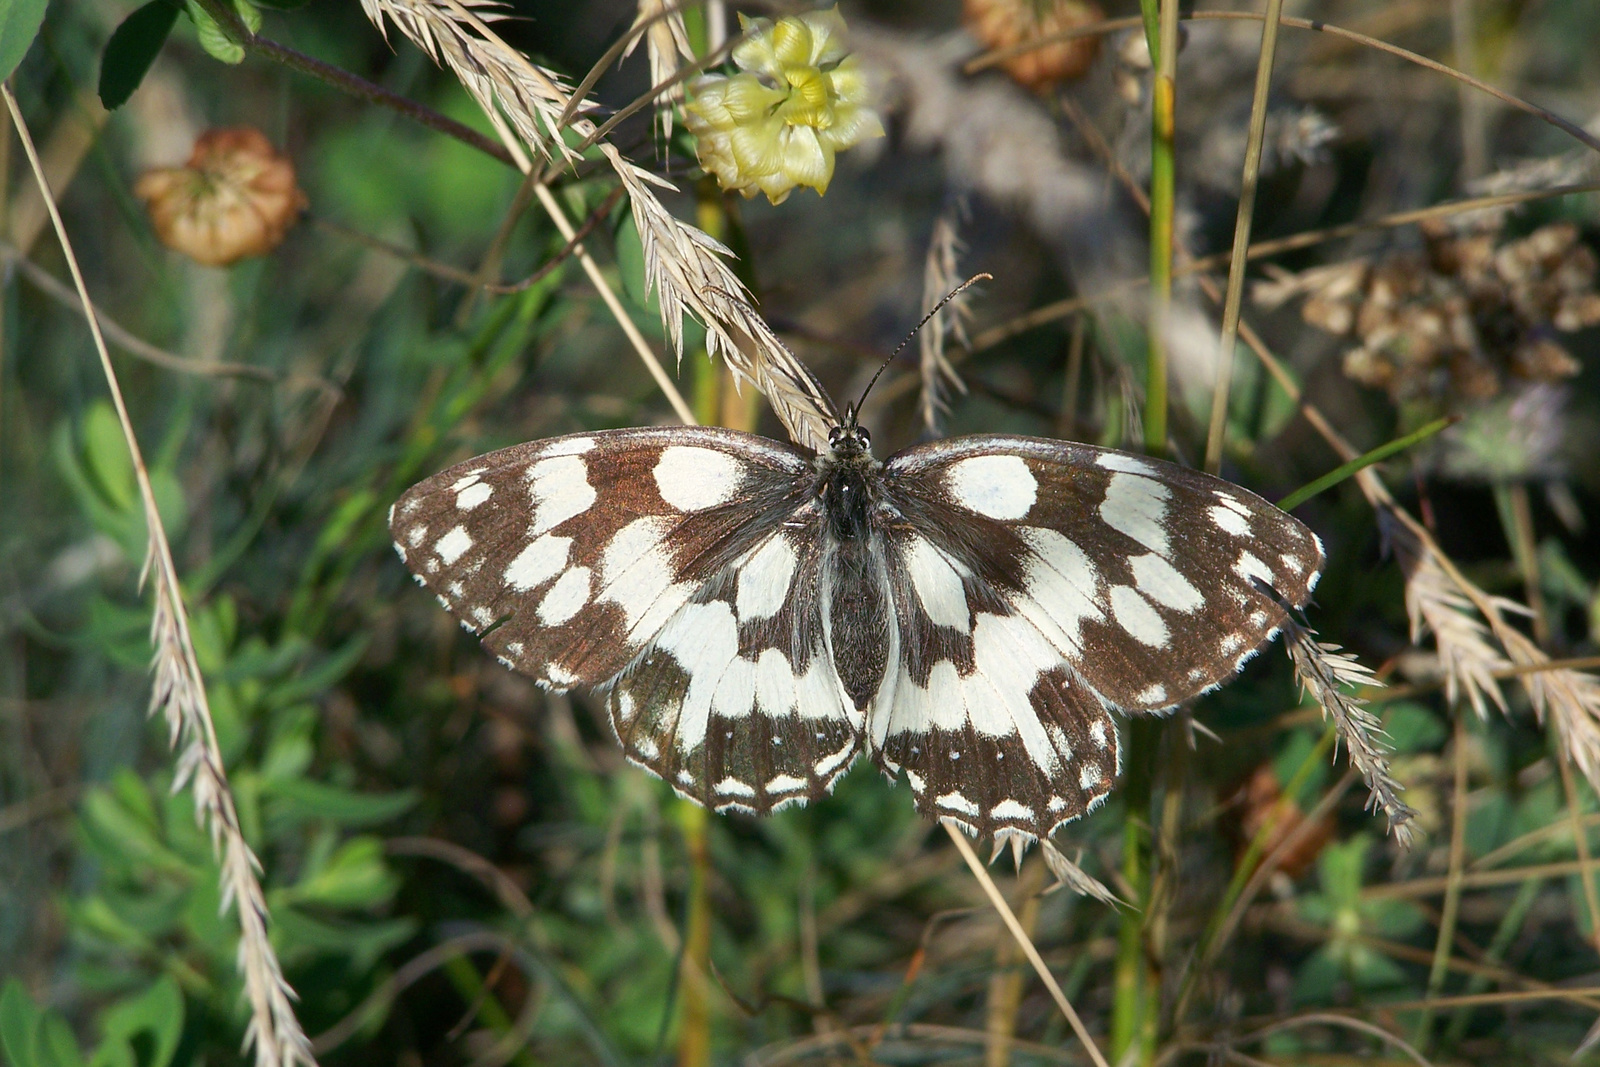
(850, 437)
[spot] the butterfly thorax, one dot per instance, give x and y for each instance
(847, 480)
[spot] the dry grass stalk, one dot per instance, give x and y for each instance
(666, 40)
(939, 278)
(1436, 604)
(1074, 877)
(686, 267)
(178, 694)
(1463, 618)
(1323, 670)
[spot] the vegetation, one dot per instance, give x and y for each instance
(1381, 847)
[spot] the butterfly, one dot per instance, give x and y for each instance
(757, 615)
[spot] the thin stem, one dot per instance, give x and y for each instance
(1423, 1030)
(1241, 238)
(989, 59)
(1163, 205)
(1024, 942)
(618, 312)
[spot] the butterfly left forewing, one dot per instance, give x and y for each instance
(569, 554)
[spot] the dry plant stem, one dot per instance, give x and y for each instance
(805, 1049)
(1006, 981)
(1062, 308)
(618, 312)
(1241, 237)
(1023, 942)
(1580, 842)
(1422, 1033)
(179, 692)
(998, 56)
(1474, 122)
(1163, 203)
(126, 340)
(1330, 1019)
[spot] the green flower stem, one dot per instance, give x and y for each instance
(1134, 997)
(1163, 182)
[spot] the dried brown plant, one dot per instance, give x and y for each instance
(1324, 673)
(686, 267)
(940, 278)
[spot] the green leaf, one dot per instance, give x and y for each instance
(1412, 727)
(214, 39)
(355, 877)
(19, 25)
(316, 800)
(19, 1025)
(57, 1046)
(158, 1011)
(1382, 452)
(132, 48)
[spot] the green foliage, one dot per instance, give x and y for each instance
(19, 25)
(133, 46)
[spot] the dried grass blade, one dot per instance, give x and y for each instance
(939, 277)
(1323, 670)
(178, 693)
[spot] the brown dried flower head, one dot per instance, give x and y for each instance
(236, 197)
(1263, 806)
(1461, 320)
(1003, 23)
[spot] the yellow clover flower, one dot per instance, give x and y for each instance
(798, 98)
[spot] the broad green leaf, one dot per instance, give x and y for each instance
(214, 39)
(19, 25)
(19, 1025)
(158, 1011)
(355, 877)
(307, 799)
(132, 48)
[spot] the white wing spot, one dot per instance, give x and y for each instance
(452, 545)
(764, 579)
(566, 598)
(1011, 809)
(1294, 563)
(538, 563)
(416, 535)
(473, 495)
(1062, 584)
(691, 478)
(1161, 582)
(1248, 567)
(735, 787)
(1231, 644)
(560, 489)
(636, 569)
(938, 585)
(464, 481)
(1230, 521)
(572, 446)
(1258, 619)
(1090, 776)
(1135, 615)
(957, 802)
(1097, 734)
(785, 783)
(1137, 507)
(559, 674)
(1155, 694)
(1001, 487)
(1118, 461)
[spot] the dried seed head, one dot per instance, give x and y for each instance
(236, 197)
(1461, 321)
(797, 99)
(1003, 23)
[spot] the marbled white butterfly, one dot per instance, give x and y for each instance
(757, 615)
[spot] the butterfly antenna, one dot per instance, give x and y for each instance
(855, 409)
